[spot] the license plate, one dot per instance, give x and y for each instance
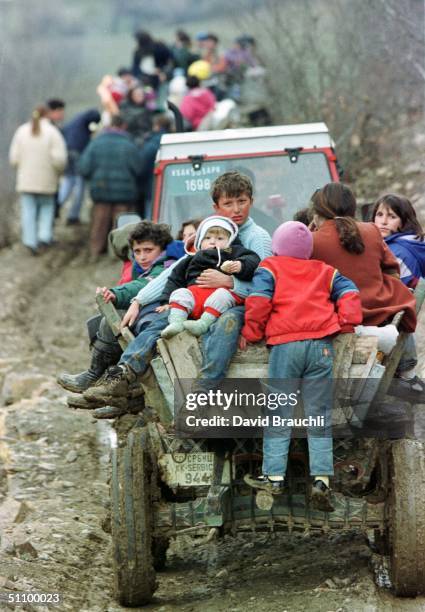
(187, 469)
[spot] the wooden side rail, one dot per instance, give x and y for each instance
(108, 310)
(392, 361)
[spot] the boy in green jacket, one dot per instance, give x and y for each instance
(148, 242)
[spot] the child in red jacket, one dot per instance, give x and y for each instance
(298, 304)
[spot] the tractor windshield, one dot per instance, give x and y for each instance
(281, 186)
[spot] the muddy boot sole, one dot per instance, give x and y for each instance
(130, 406)
(82, 404)
(109, 412)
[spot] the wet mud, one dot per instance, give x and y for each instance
(54, 472)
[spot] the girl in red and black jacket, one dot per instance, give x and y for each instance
(297, 304)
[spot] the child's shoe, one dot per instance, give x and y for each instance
(172, 330)
(201, 326)
(176, 319)
(275, 487)
(320, 497)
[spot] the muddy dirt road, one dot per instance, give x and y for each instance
(54, 471)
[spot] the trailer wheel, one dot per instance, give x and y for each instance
(134, 575)
(159, 552)
(407, 517)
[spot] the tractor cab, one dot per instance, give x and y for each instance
(286, 164)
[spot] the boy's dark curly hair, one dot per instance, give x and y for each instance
(158, 233)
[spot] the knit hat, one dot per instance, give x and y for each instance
(215, 221)
(293, 239)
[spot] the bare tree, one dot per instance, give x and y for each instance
(357, 64)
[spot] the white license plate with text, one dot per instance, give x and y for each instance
(187, 469)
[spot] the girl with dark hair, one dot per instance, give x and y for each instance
(337, 202)
(188, 228)
(358, 252)
(396, 219)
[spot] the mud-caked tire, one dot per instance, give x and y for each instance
(159, 552)
(131, 522)
(407, 517)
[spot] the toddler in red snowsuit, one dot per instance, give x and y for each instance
(214, 248)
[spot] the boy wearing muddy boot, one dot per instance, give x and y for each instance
(232, 198)
(148, 243)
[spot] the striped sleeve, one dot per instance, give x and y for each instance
(260, 242)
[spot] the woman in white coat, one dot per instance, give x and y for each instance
(38, 152)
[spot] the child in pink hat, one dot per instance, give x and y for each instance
(298, 305)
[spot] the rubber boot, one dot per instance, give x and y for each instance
(104, 354)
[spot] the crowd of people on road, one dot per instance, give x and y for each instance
(113, 149)
(223, 278)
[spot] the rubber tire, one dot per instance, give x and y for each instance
(134, 575)
(407, 518)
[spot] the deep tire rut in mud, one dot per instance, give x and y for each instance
(54, 490)
(54, 472)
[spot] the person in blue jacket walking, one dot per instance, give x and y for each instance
(77, 134)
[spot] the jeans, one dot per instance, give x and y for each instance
(141, 350)
(311, 362)
(37, 214)
(219, 344)
(72, 183)
(148, 209)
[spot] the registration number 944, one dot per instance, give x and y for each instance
(187, 469)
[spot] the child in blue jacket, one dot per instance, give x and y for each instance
(396, 219)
